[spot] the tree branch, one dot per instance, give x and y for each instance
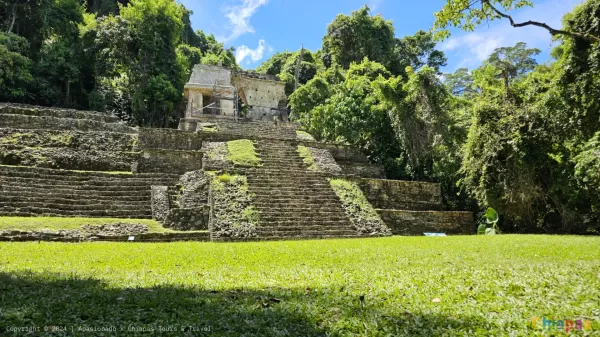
(552, 31)
(14, 17)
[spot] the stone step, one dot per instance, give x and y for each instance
(29, 122)
(307, 213)
(295, 201)
(66, 194)
(293, 205)
(94, 181)
(304, 236)
(83, 192)
(303, 218)
(75, 207)
(18, 109)
(30, 211)
(287, 228)
(328, 233)
(61, 199)
(285, 223)
(40, 170)
(113, 188)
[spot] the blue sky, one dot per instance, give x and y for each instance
(260, 28)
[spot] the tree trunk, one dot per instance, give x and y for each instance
(14, 18)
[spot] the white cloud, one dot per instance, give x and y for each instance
(252, 55)
(472, 48)
(239, 18)
(374, 5)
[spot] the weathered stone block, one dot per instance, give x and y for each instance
(169, 139)
(160, 202)
(168, 161)
(402, 195)
(187, 219)
(362, 170)
(418, 222)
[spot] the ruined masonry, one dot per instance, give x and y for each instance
(221, 176)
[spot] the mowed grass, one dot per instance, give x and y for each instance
(395, 286)
(57, 223)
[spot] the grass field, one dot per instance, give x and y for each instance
(396, 286)
(57, 223)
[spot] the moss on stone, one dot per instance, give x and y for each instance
(307, 158)
(234, 214)
(303, 135)
(242, 153)
(362, 214)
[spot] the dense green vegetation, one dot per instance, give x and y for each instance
(397, 286)
(514, 135)
(128, 57)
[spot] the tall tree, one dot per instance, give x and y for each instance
(352, 38)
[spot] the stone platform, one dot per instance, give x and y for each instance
(66, 163)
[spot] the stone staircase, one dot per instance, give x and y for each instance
(18, 116)
(26, 191)
(294, 203)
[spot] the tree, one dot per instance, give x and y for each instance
(417, 51)
(460, 82)
(513, 61)
(15, 69)
(468, 14)
(274, 65)
(352, 38)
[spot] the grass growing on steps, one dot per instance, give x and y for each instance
(58, 223)
(242, 153)
(362, 214)
(307, 158)
(396, 286)
(303, 135)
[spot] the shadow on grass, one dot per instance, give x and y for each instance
(81, 305)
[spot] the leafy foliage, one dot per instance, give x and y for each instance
(305, 288)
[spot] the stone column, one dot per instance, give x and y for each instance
(226, 107)
(195, 104)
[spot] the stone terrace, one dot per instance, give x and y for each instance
(293, 202)
(36, 191)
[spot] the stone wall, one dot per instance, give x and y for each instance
(168, 161)
(320, 160)
(227, 129)
(169, 139)
(261, 95)
(402, 195)
(21, 121)
(419, 222)
(70, 150)
(215, 158)
(32, 110)
(208, 75)
(188, 219)
(160, 202)
(361, 170)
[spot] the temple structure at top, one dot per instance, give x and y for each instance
(216, 91)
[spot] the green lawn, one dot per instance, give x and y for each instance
(57, 223)
(396, 286)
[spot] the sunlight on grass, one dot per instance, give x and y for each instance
(242, 152)
(397, 286)
(57, 223)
